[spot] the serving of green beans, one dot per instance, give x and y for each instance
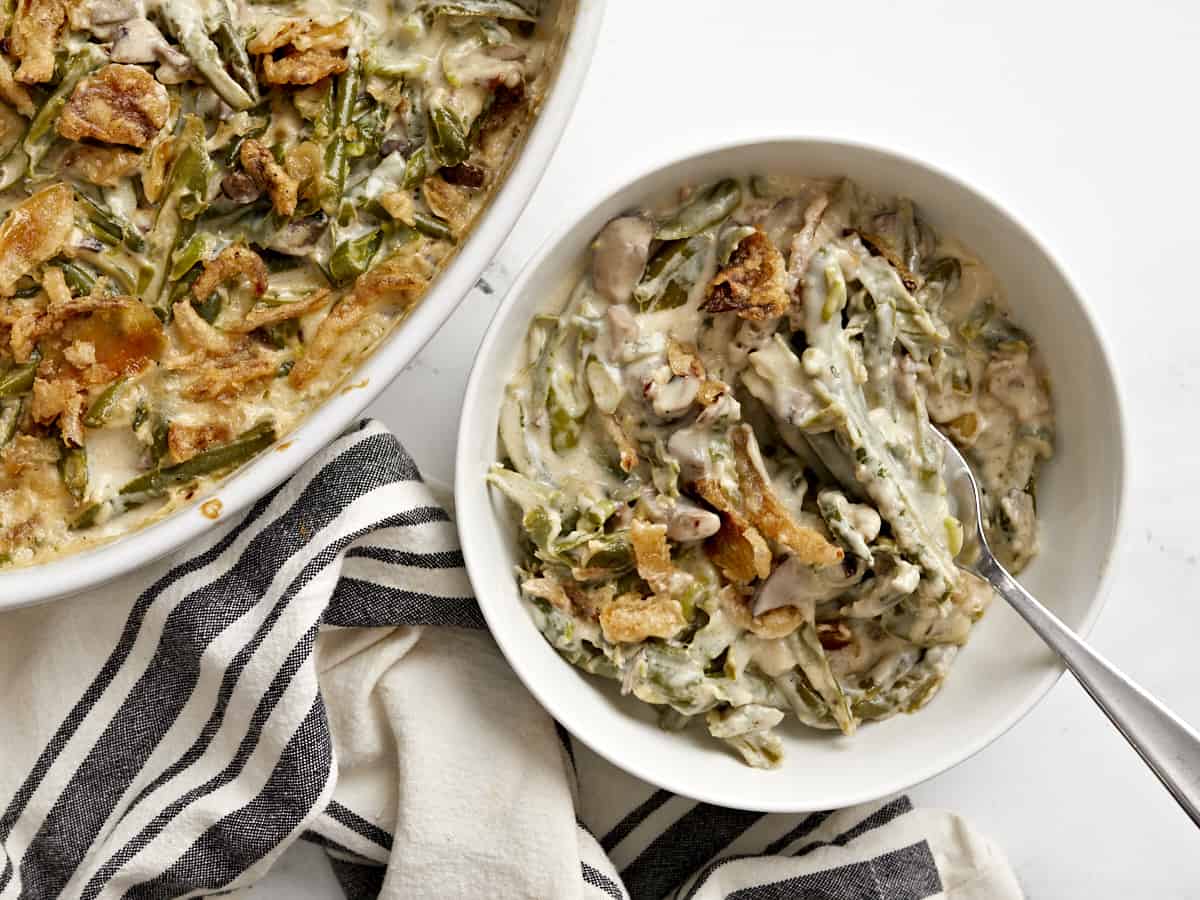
(210, 181)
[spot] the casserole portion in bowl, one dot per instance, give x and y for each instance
(723, 455)
(212, 212)
(1003, 670)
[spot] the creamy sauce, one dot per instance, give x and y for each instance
(722, 449)
(211, 211)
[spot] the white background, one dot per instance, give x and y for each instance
(1080, 117)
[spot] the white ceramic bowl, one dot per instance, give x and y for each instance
(1003, 671)
(82, 571)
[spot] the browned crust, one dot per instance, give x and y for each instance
(398, 281)
(768, 514)
(185, 441)
(752, 284)
(448, 201)
(631, 618)
(683, 359)
(261, 316)
(118, 104)
(776, 623)
(737, 549)
(33, 232)
(305, 67)
(228, 377)
(14, 94)
(880, 247)
(37, 26)
(269, 175)
(103, 166)
(652, 555)
(234, 260)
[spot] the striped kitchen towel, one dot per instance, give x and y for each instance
(317, 670)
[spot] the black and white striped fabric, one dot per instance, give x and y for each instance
(317, 670)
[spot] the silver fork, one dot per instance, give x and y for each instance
(1167, 744)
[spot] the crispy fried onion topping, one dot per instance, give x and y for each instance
(397, 282)
(12, 93)
(752, 284)
(119, 104)
(34, 231)
(103, 166)
(37, 26)
(185, 441)
(301, 51)
(270, 176)
(776, 623)
(764, 508)
(448, 201)
(631, 618)
(740, 548)
(262, 316)
(234, 260)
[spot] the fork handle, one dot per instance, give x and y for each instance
(1167, 744)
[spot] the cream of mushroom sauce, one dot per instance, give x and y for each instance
(212, 210)
(720, 446)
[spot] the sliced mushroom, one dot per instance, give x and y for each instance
(690, 522)
(619, 256)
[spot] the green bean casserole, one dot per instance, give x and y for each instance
(212, 210)
(722, 453)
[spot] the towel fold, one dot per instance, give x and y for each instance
(317, 670)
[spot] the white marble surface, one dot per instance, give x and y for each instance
(1081, 118)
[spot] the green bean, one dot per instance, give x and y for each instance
(185, 262)
(449, 138)
(160, 435)
(671, 272)
(141, 414)
(100, 233)
(946, 270)
(706, 209)
(761, 187)
(19, 379)
(191, 169)
(368, 128)
(416, 113)
(351, 258)
(104, 405)
(110, 264)
(88, 516)
(185, 197)
(78, 279)
(415, 168)
(281, 334)
(337, 161)
(73, 467)
(395, 66)
(432, 226)
(41, 134)
(10, 417)
(209, 308)
(234, 49)
(234, 151)
(238, 451)
(185, 22)
(501, 9)
(112, 224)
(564, 429)
(728, 240)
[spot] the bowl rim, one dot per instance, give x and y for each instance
(96, 566)
(464, 480)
